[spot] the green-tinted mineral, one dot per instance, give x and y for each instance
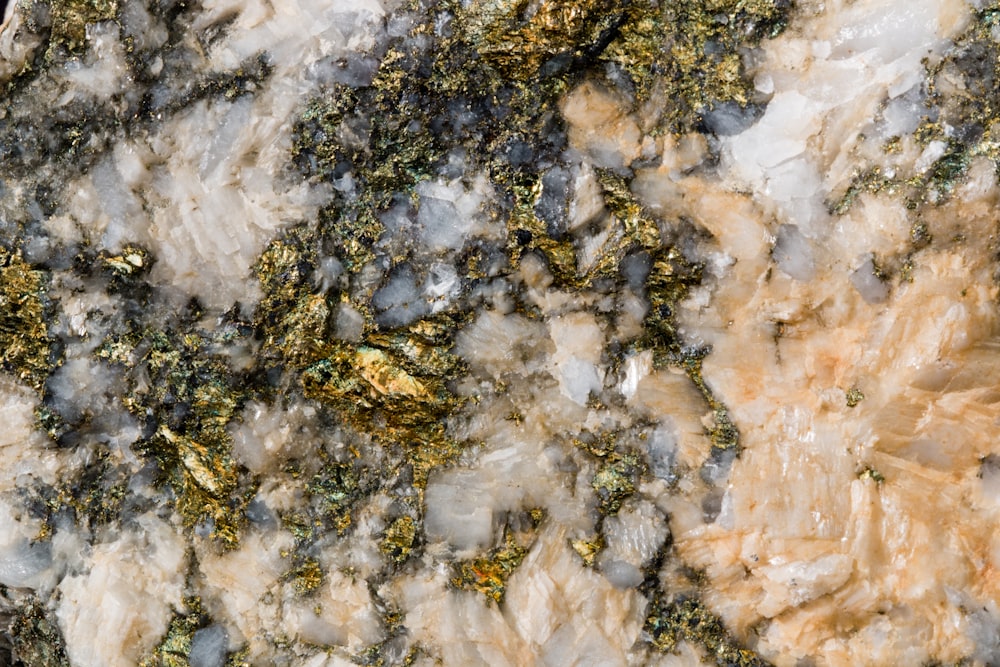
(25, 348)
(36, 637)
(688, 620)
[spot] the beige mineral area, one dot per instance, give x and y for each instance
(555, 611)
(856, 525)
(118, 607)
(245, 587)
(839, 519)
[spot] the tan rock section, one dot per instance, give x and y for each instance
(857, 525)
(856, 531)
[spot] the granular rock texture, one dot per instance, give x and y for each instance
(499, 332)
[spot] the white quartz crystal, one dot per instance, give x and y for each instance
(243, 588)
(119, 606)
(209, 647)
(578, 341)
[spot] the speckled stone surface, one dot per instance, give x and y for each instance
(499, 332)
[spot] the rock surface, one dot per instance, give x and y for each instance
(501, 333)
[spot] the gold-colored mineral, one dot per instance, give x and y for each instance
(488, 574)
(24, 336)
(689, 620)
(398, 540)
(70, 19)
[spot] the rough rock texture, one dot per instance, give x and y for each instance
(496, 332)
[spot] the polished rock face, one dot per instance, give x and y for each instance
(503, 333)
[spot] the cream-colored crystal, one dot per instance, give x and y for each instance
(119, 607)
